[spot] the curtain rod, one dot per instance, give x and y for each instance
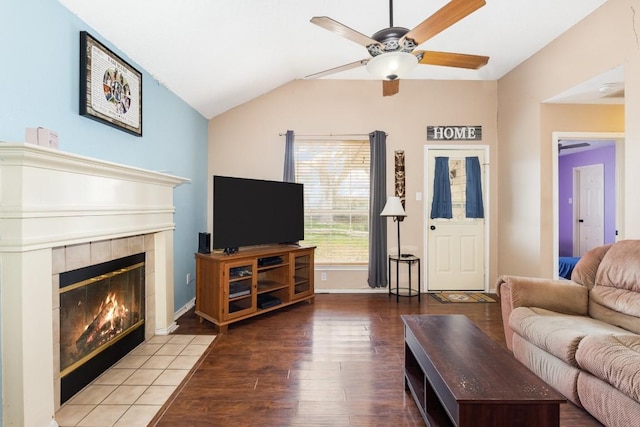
(327, 135)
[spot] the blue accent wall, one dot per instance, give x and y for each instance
(39, 73)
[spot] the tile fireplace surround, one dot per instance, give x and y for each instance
(59, 212)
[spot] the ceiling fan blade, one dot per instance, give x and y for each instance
(342, 30)
(390, 87)
(448, 59)
(334, 70)
(448, 15)
(578, 145)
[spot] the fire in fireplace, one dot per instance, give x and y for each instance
(101, 319)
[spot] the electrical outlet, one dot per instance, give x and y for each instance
(323, 276)
(188, 278)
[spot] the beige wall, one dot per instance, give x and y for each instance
(604, 40)
(246, 142)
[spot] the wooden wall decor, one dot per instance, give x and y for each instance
(400, 176)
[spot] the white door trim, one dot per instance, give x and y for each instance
(427, 196)
(555, 139)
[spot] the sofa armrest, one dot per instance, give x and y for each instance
(563, 296)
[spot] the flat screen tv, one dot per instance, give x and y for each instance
(250, 212)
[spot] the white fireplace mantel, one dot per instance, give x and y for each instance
(51, 199)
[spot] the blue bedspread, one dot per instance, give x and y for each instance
(566, 265)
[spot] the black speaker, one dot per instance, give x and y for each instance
(204, 243)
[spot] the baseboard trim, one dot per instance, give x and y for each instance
(168, 330)
(353, 291)
(188, 306)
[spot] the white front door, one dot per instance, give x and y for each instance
(590, 212)
(455, 247)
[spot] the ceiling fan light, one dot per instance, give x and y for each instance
(607, 88)
(392, 65)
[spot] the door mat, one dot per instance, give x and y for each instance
(449, 297)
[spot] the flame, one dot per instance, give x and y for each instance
(114, 311)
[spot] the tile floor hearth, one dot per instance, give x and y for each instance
(132, 391)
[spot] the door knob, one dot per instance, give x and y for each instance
(581, 220)
(433, 227)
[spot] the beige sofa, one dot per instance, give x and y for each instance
(582, 336)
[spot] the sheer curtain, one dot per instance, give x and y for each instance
(289, 174)
(474, 205)
(441, 205)
(377, 198)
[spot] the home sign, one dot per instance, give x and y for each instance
(454, 133)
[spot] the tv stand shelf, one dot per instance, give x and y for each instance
(270, 286)
(234, 287)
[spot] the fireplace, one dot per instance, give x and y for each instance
(62, 212)
(101, 319)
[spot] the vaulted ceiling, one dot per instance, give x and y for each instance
(217, 54)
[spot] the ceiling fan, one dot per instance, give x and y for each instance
(392, 49)
(570, 146)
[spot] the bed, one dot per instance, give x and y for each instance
(566, 265)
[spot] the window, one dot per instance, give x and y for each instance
(335, 175)
(458, 179)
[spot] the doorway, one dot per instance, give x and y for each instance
(456, 247)
(566, 218)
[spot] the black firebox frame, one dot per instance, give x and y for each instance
(81, 376)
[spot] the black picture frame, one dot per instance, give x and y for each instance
(110, 88)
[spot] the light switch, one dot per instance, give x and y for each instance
(418, 196)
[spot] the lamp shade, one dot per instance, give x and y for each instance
(392, 65)
(393, 207)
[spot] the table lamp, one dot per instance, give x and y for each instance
(394, 208)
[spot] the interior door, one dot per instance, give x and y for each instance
(455, 247)
(589, 192)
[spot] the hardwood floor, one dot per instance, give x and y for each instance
(336, 362)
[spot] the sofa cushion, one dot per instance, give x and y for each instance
(614, 360)
(549, 368)
(616, 307)
(586, 269)
(612, 317)
(610, 406)
(615, 298)
(556, 333)
(620, 268)
(621, 300)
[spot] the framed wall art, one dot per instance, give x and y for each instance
(110, 88)
(400, 176)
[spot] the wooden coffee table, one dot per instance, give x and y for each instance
(459, 376)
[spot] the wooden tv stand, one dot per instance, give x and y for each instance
(252, 281)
